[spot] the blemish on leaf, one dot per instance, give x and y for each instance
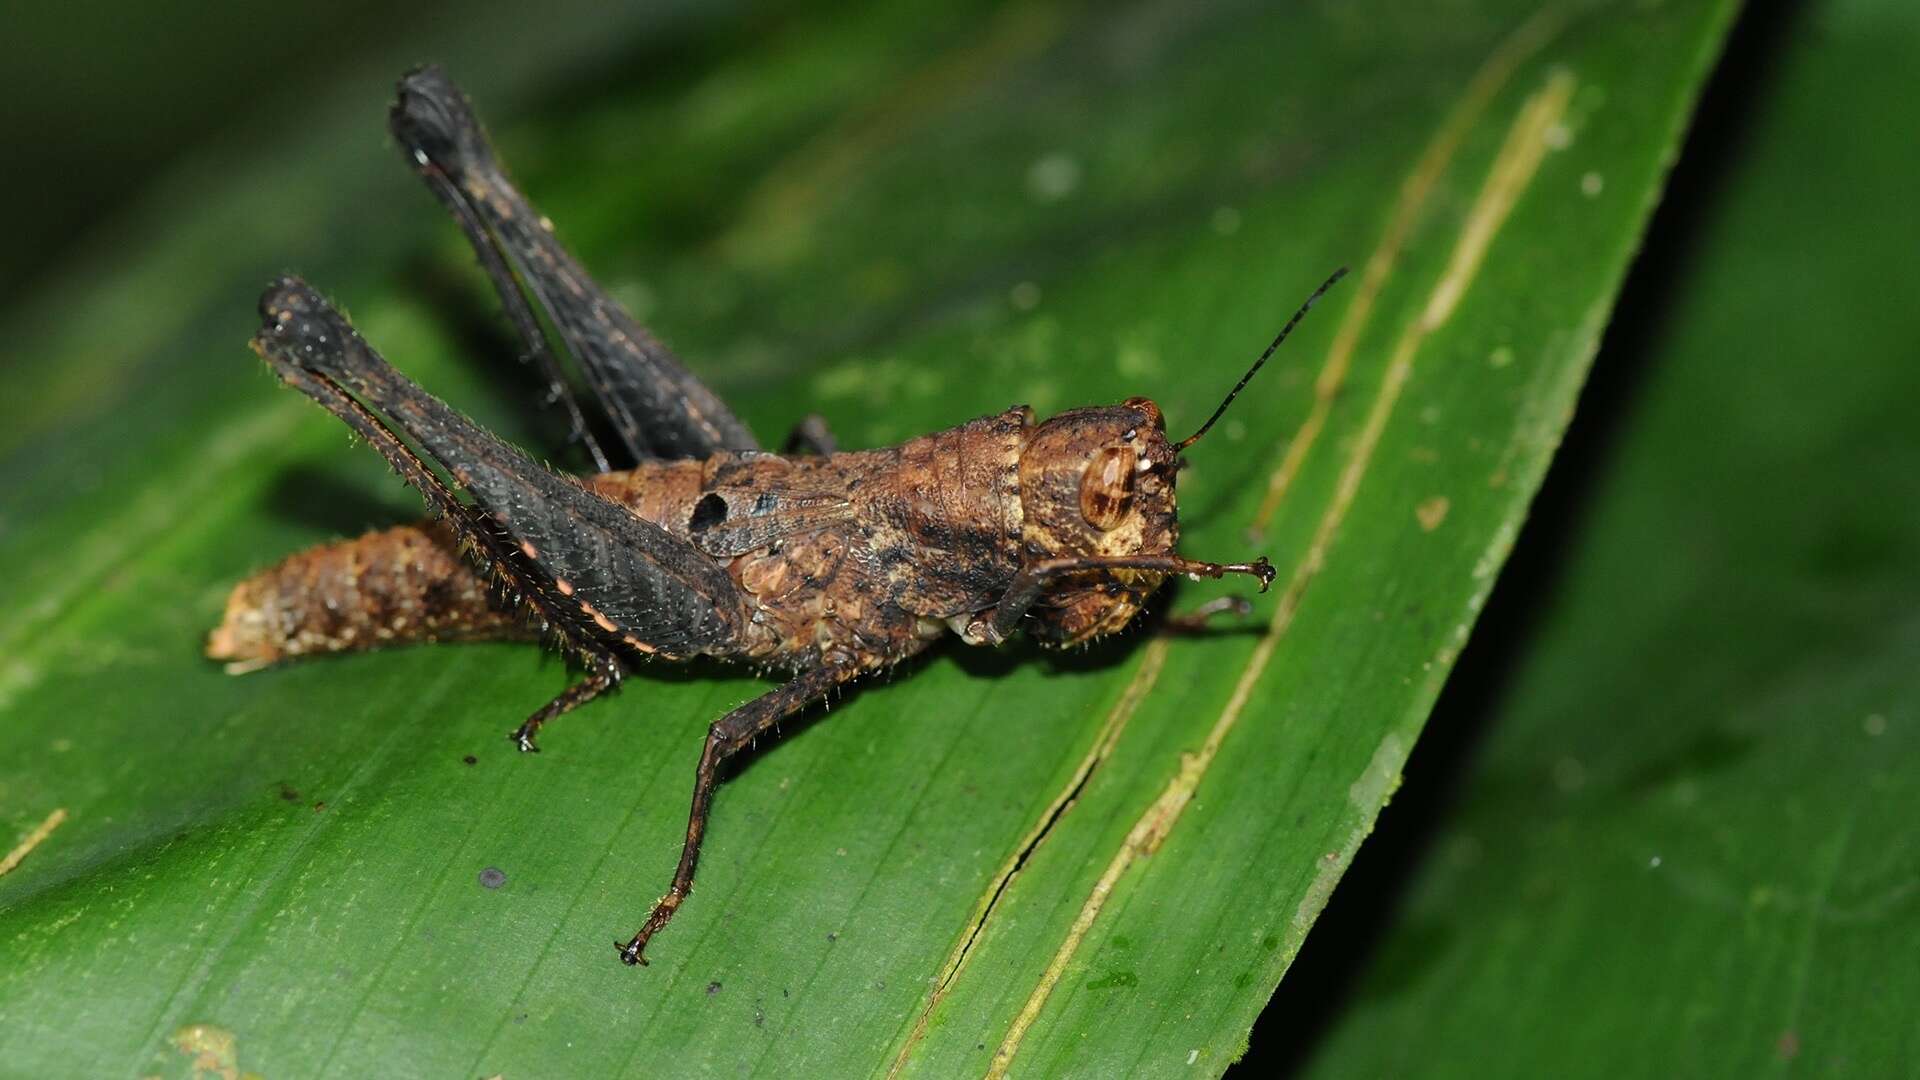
(1431, 512)
(492, 877)
(1118, 978)
(214, 1052)
(1788, 1046)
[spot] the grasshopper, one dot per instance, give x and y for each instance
(823, 564)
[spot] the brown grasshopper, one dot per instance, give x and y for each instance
(827, 565)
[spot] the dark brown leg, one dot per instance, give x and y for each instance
(489, 546)
(602, 676)
(728, 736)
(1192, 622)
(598, 577)
(1033, 578)
(525, 323)
(657, 407)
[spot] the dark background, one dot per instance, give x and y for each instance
(101, 95)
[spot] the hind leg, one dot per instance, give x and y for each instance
(657, 408)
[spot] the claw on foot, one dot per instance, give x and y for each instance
(522, 737)
(1263, 570)
(979, 631)
(635, 950)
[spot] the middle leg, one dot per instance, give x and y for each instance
(603, 674)
(728, 736)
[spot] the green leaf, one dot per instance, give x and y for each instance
(899, 218)
(1686, 845)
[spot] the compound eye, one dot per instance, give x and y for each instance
(1106, 489)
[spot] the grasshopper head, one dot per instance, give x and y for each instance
(1097, 481)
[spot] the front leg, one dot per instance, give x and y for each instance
(1200, 618)
(728, 736)
(1032, 581)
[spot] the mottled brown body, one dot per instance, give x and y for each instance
(857, 558)
(827, 566)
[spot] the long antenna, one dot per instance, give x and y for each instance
(1248, 377)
